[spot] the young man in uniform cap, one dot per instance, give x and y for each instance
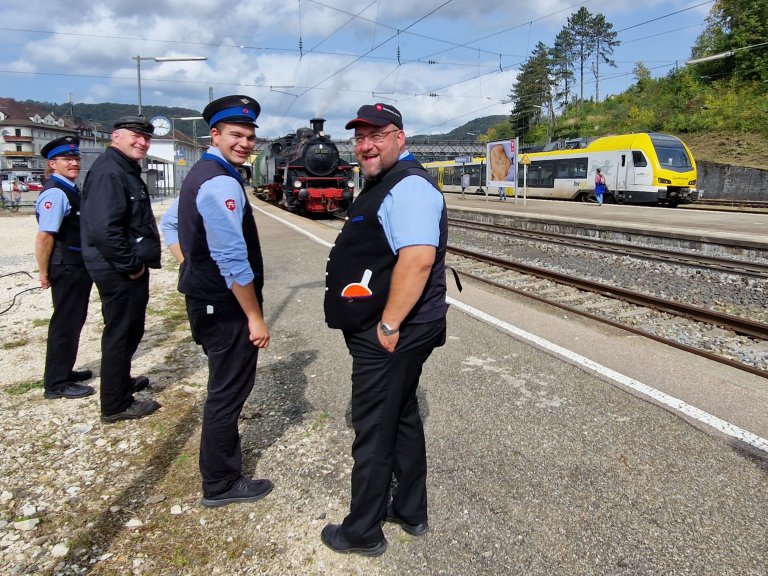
(222, 276)
(60, 262)
(120, 244)
(393, 243)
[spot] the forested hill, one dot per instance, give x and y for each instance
(105, 114)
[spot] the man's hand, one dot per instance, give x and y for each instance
(138, 274)
(259, 333)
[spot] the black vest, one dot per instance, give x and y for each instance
(67, 248)
(199, 275)
(360, 264)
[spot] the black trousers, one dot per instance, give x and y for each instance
(389, 433)
(70, 293)
(124, 308)
(221, 328)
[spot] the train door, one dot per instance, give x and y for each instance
(623, 166)
(440, 176)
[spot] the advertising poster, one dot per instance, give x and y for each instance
(501, 166)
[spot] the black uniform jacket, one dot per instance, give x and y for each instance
(118, 228)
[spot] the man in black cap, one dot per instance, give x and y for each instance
(222, 276)
(60, 262)
(385, 289)
(120, 244)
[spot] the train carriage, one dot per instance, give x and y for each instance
(642, 168)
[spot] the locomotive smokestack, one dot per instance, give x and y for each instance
(317, 125)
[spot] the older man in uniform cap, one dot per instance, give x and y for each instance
(60, 262)
(120, 244)
(393, 244)
(222, 277)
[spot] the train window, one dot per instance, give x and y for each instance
(579, 168)
(563, 169)
(638, 159)
(547, 175)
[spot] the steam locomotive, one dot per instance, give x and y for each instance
(303, 173)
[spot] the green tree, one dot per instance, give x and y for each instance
(604, 39)
(562, 57)
(579, 26)
(532, 93)
(740, 27)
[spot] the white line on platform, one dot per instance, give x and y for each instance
(294, 227)
(674, 404)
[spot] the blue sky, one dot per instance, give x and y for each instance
(441, 62)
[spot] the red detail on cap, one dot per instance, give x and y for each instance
(71, 146)
(230, 204)
(48, 205)
(246, 111)
(379, 107)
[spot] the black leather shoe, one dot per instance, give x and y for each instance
(244, 490)
(80, 375)
(412, 529)
(70, 391)
(138, 409)
(335, 540)
(139, 383)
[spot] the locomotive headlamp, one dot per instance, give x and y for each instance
(664, 181)
(350, 183)
(297, 183)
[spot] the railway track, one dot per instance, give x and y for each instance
(629, 310)
(714, 263)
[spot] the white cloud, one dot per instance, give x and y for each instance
(252, 48)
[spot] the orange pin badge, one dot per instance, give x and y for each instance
(358, 289)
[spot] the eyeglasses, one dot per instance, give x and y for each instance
(70, 159)
(374, 137)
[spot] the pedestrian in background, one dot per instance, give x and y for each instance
(599, 186)
(16, 194)
(61, 268)
(222, 277)
(385, 289)
(120, 244)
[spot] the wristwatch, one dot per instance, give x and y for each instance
(386, 330)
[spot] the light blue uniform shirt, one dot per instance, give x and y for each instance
(53, 206)
(221, 204)
(169, 224)
(410, 213)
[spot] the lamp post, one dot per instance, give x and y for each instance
(160, 59)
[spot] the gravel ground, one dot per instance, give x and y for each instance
(738, 295)
(536, 468)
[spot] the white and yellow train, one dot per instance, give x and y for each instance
(643, 168)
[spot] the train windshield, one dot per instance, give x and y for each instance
(671, 152)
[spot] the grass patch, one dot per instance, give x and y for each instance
(173, 313)
(15, 344)
(40, 322)
(23, 387)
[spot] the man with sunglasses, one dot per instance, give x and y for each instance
(385, 289)
(60, 262)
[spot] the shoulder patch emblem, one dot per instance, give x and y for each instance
(230, 204)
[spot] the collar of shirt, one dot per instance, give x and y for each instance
(128, 164)
(63, 179)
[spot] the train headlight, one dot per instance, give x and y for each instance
(297, 184)
(350, 183)
(664, 181)
(692, 183)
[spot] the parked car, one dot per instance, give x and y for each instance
(34, 186)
